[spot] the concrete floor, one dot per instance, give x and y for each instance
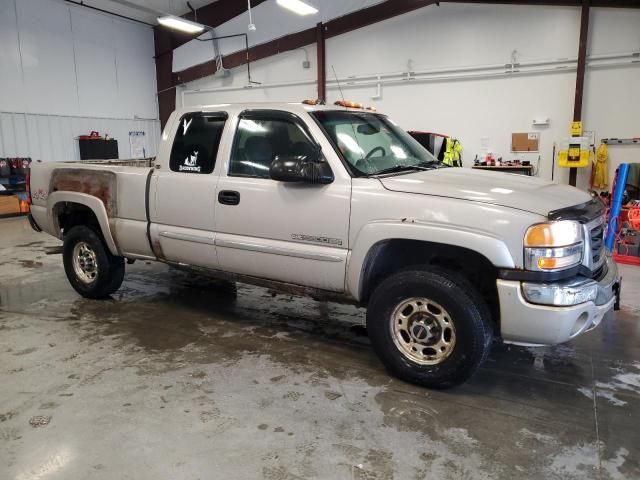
(177, 377)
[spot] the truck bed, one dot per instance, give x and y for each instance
(120, 185)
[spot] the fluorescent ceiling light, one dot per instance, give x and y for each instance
(298, 7)
(181, 24)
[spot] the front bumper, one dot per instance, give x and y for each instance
(527, 323)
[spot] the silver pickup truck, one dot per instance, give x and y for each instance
(342, 204)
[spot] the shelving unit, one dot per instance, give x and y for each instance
(13, 196)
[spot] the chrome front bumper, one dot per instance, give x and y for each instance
(527, 323)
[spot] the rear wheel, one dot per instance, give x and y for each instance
(91, 269)
(429, 327)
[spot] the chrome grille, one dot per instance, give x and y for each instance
(597, 243)
(594, 244)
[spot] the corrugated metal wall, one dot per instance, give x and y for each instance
(65, 71)
(53, 137)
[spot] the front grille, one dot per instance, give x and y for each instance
(596, 236)
(594, 246)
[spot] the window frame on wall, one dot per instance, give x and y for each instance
(266, 115)
(212, 156)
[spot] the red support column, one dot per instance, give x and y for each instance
(582, 62)
(322, 71)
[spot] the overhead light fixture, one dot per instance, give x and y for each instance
(252, 26)
(298, 7)
(181, 24)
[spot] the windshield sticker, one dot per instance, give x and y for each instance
(186, 125)
(191, 163)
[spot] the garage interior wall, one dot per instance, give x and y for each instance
(66, 71)
(481, 112)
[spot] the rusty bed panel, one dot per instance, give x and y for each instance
(100, 184)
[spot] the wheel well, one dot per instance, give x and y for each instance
(69, 214)
(391, 256)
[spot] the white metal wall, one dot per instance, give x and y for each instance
(482, 110)
(52, 137)
(65, 71)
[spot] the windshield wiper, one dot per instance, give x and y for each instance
(402, 168)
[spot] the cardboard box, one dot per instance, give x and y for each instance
(9, 204)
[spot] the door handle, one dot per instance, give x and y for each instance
(229, 197)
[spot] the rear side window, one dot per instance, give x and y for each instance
(196, 143)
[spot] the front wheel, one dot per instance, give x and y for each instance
(91, 269)
(429, 327)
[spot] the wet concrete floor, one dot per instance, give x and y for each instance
(179, 376)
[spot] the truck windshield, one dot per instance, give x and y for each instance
(372, 144)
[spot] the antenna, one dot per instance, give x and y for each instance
(339, 87)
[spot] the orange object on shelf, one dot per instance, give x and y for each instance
(92, 136)
(633, 216)
(24, 206)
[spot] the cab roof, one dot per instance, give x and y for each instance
(293, 107)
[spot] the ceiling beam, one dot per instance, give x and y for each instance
(166, 41)
(212, 15)
(338, 26)
(217, 13)
(558, 3)
(359, 19)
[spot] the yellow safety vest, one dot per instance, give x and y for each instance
(600, 166)
(453, 153)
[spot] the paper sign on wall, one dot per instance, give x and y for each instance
(136, 140)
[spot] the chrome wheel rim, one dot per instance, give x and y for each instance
(85, 263)
(423, 331)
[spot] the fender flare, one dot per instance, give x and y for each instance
(484, 243)
(89, 201)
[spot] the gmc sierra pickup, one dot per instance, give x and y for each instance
(341, 203)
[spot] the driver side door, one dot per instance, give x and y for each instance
(289, 232)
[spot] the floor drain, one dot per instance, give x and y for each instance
(39, 421)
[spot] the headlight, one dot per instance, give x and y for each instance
(553, 246)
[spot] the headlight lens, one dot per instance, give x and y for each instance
(553, 234)
(553, 246)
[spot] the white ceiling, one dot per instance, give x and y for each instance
(146, 10)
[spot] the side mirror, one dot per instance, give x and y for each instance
(301, 169)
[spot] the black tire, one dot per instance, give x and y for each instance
(110, 269)
(471, 319)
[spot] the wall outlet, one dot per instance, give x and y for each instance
(306, 64)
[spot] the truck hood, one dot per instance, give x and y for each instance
(496, 188)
